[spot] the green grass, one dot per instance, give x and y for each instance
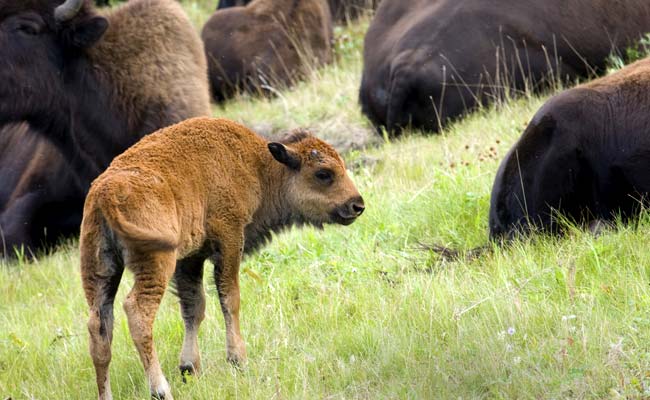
(362, 312)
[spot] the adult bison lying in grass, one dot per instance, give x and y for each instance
(144, 213)
(266, 44)
(428, 61)
(93, 84)
(38, 192)
(585, 154)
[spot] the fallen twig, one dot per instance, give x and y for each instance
(449, 254)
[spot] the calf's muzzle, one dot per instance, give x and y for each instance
(349, 211)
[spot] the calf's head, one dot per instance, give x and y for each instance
(318, 187)
(41, 45)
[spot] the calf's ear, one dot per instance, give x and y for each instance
(284, 155)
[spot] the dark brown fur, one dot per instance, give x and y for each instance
(204, 188)
(268, 43)
(38, 192)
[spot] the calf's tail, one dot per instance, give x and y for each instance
(145, 238)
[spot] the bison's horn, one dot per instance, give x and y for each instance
(67, 10)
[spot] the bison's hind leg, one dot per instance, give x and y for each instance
(152, 271)
(188, 281)
(101, 271)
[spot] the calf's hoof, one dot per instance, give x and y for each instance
(161, 391)
(161, 395)
(237, 359)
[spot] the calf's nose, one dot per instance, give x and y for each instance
(356, 206)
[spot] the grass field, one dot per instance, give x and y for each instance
(363, 312)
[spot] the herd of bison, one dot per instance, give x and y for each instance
(80, 85)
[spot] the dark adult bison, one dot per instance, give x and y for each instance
(265, 44)
(585, 154)
(342, 10)
(93, 84)
(427, 61)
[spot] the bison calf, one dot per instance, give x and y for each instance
(204, 188)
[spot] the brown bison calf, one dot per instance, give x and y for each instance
(204, 188)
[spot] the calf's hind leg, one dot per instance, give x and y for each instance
(188, 280)
(101, 272)
(152, 273)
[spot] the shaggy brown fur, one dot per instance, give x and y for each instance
(154, 59)
(204, 188)
(266, 43)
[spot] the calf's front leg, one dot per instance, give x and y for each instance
(226, 277)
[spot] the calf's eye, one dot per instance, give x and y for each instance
(324, 175)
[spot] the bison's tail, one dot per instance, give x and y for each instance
(144, 238)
